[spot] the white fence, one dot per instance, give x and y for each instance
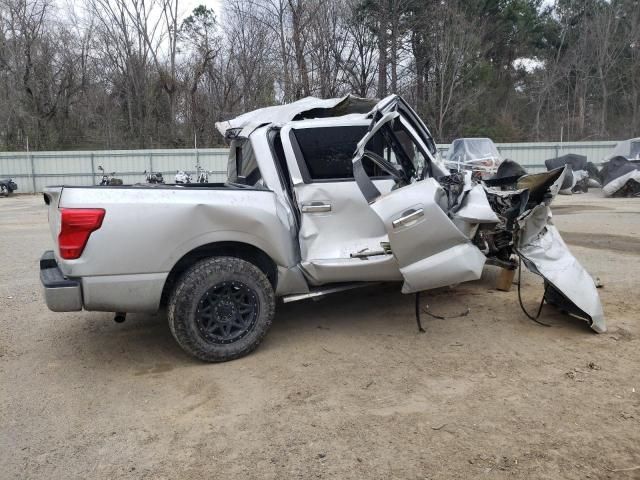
(34, 170)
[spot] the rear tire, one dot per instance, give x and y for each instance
(221, 308)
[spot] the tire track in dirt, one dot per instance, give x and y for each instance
(603, 241)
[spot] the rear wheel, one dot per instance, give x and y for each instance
(221, 309)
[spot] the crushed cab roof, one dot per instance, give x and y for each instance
(308, 107)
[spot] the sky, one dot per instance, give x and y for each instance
(185, 6)
(188, 5)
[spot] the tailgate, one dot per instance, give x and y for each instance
(52, 199)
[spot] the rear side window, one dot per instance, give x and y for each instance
(242, 166)
(327, 152)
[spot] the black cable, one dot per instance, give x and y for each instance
(418, 321)
(442, 317)
(535, 319)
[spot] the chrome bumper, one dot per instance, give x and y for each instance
(60, 293)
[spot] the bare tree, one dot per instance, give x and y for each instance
(199, 31)
(359, 60)
(251, 41)
(605, 51)
(456, 47)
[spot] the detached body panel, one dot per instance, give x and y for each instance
(548, 256)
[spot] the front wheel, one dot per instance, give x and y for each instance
(221, 309)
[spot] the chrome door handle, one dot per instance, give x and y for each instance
(316, 207)
(408, 217)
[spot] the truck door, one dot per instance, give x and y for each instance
(430, 250)
(340, 237)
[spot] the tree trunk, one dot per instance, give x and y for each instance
(635, 121)
(393, 43)
(382, 55)
(286, 80)
(605, 102)
(298, 44)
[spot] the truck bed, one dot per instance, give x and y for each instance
(147, 229)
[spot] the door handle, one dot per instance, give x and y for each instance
(316, 207)
(408, 217)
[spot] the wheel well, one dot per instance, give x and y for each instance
(221, 249)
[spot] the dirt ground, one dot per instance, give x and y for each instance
(341, 388)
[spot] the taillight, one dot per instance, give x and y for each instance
(76, 226)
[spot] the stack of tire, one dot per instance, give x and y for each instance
(621, 177)
(580, 176)
(7, 186)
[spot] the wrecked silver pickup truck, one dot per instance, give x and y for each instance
(322, 195)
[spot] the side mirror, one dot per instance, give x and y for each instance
(241, 180)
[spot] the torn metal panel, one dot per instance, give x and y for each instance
(543, 187)
(548, 256)
(476, 207)
(533, 223)
(246, 123)
(543, 251)
(474, 210)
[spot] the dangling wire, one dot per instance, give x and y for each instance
(442, 317)
(535, 319)
(418, 321)
(427, 312)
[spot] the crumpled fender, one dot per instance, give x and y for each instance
(548, 256)
(568, 285)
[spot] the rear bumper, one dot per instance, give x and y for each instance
(60, 293)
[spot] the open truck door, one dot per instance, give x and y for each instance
(431, 251)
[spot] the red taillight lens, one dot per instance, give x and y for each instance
(76, 226)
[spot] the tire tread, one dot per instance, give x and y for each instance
(213, 270)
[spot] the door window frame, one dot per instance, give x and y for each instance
(288, 132)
